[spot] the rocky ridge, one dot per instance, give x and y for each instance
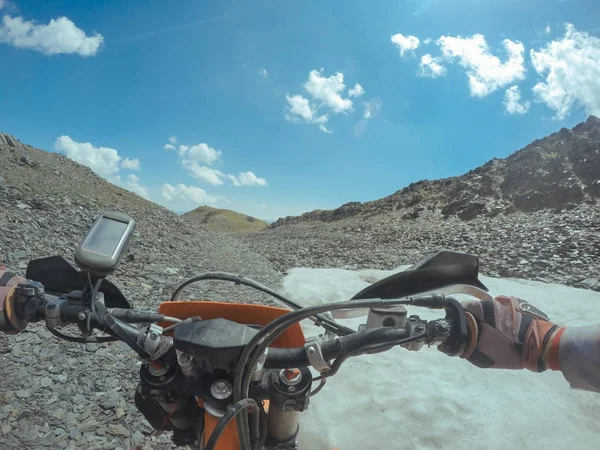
(557, 172)
(61, 395)
(533, 215)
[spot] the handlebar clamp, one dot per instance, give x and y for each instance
(315, 355)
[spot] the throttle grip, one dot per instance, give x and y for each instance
(459, 336)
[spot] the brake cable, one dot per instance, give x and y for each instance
(114, 326)
(318, 319)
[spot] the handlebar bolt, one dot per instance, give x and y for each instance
(413, 318)
(221, 389)
(311, 350)
(419, 329)
(153, 336)
(290, 377)
(81, 315)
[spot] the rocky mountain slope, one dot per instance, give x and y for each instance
(225, 220)
(557, 172)
(56, 394)
(532, 215)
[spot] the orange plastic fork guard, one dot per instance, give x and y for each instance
(246, 314)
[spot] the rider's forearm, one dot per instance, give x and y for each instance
(577, 356)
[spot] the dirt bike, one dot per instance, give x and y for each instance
(232, 376)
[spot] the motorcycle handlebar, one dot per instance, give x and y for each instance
(59, 310)
(344, 345)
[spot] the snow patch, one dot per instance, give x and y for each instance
(426, 400)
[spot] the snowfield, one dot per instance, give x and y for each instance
(426, 400)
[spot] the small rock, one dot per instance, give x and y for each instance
(46, 382)
(71, 419)
(24, 393)
(591, 283)
(91, 347)
(59, 413)
(24, 160)
(137, 437)
(119, 412)
(118, 430)
(74, 433)
(88, 425)
(23, 206)
(110, 402)
(6, 428)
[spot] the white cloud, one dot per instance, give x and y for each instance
(133, 184)
(512, 101)
(367, 114)
(58, 36)
(427, 41)
(173, 140)
(327, 97)
(571, 70)
(486, 73)
(169, 147)
(131, 164)
(405, 44)
(299, 108)
(102, 160)
(356, 91)
(431, 67)
(247, 179)
(182, 149)
(1, 4)
(324, 129)
(182, 197)
(200, 153)
(263, 73)
(547, 30)
(327, 90)
(206, 174)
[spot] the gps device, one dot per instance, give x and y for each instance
(105, 243)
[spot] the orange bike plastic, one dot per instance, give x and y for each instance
(246, 314)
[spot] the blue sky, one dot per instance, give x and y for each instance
(261, 99)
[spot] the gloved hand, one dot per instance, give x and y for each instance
(511, 334)
(9, 323)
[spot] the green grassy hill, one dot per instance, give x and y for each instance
(225, 220)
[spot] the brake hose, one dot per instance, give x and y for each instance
(231, 413)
